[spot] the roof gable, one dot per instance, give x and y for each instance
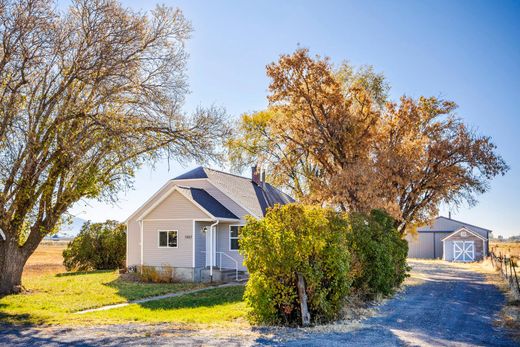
(198, 197)
(444, 224)
(458, 231)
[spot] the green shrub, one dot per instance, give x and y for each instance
(98, 246)
(378, 252)
(294, 239)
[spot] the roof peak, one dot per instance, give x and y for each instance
(461, 222)
(200, 172)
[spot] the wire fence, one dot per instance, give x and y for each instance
(508, 265)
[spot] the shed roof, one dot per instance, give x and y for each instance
(444, 224)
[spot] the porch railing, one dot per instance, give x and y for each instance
(230, 258)
(219, 265)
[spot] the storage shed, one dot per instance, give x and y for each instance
(449, 239)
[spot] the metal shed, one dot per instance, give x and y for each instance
(428, 242)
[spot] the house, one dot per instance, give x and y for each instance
(192, 223)
(449, 239)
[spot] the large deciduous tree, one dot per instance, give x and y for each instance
(87, 96)
(332, 137)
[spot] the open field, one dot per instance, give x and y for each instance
(47, 259)
(505, 248)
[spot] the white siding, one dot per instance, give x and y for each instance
(176, 206)
(133, 250)
(176, 257)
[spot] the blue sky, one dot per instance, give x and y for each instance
(466, 51)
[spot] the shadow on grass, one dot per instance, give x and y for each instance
(25, 319)
(205, 298)
(78, 273)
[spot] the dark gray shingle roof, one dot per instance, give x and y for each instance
(243, 190)
(208, 202)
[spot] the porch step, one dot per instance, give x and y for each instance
(224, 275)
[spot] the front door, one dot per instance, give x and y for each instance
(463, 251)
(212, 245)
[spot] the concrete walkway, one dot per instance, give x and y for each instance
(159, 297)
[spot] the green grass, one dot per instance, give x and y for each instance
(219, 306)
(52, 299)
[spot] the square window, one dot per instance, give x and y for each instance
(168, 238)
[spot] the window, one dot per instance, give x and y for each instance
(234, 231)
(168, 238)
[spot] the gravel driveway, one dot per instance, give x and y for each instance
(444, 305)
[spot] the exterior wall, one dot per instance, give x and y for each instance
(223, 246)
(133, 243)
(420, 246)
(176, 212)
(176, 206)
(182, 256)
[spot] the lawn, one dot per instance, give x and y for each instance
(218, 307)
(53, 298)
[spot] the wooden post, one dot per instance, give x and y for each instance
(302, 294)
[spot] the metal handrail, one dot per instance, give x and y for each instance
(230, 257)
(220, 262)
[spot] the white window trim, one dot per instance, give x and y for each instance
(167, 238)
(233, 238)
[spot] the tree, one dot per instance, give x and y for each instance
(87, 97)
(98, 246)
(332, 137)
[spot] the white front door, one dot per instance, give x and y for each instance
(463, 251)
(211, 246)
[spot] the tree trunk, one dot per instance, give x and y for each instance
(12, 261)
(302, 294)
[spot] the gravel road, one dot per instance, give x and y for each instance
(444, 305)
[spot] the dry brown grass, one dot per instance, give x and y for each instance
(505, 248)
(47, 259)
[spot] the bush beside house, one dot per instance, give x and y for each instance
(295, 240)
(334, 254)
(98, 246)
